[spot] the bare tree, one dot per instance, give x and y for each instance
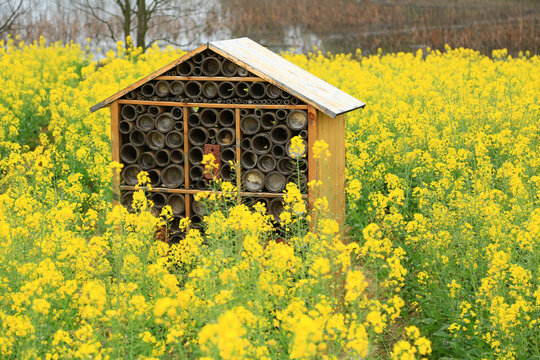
(10, 11)
(145, 21)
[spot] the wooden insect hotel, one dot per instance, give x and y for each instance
(241, 102)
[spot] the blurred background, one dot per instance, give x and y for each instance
(330, 25)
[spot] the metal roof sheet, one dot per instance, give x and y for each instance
(286, 75)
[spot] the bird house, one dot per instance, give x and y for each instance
(241, 102)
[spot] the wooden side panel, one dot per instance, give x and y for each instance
(312, 164)
(115, 149)
(186, 160)
(332, 171)
(238, 151)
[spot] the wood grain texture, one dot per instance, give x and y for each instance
(332, 171)
(147, 78)
(211, 105)
(239, 138)
(115, 149)
(312, 164)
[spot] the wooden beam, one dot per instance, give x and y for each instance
(187, 181)
(210, 78)
(115, 149)
(212, 105)
(238, 152)
(312, 163)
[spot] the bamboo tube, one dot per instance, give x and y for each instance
(212, 133)
(195, 155)
(285, 95)
(304, 134)
(250, 124)
(198, 136)
(174, 139)
(197, 71)
(272, 91)
(280, 134)
(261, 144)
(266, 163)
(228, 68)
(177, 87)
(296, 178)
(302, 165)
(202, 184)
(184, 69)
(159, 200)
(163, 157)
(226, 118)
(226, 172)
(177, 203)
(253, 180)
(242, 89)
(257, 90)
(127, 200)
(211, 66)
(129, 154)
(137, 138)
(196, 222)
(175, 239)
(193, 89)
(129, 174)
(155, 177)
(242, 72)
(289, 152)
(145, 122)
(243, 112)
(209, 117)
(210, 89)
(147, 90)
(228, 154)
(140, 109)
(173, 176)
(177, 113)
(275, 182)
(179, 125)
(275, 208)
(194, 119)
(196, 172)
(278, 151)
(262, 200)
(258, 112)
(147, 160)
(248, 159)
(177, 156)
(125, 127)
(164, 122)
(285, 165)
(154, 110)
(226, 90)
(294, 101)
(155, 140)
(198, 58)
(268, 120)
(281, 114)
(297, 120)
(130, 95)
(162, 88)
(128, 112)
(199, 207)
(225, 137)
(245, 144)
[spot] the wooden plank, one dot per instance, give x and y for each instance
(186, 111)
(212, 105)
(238, 152)
(211, 78)
(116, 140)
(312, 163)
(332, 171)
(286, 75)
(147, 78)
(193, 192)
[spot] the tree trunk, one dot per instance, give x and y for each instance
(142, 23)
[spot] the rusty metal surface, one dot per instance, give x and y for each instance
(286, 75)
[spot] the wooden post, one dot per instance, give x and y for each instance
(238, 152)
(187, 199)
(115, 149)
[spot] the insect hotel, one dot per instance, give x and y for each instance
(241, 102)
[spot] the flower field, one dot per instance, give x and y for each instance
(440, 256)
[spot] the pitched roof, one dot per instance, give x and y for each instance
(270, 67)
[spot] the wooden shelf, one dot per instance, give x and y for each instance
(210, 78)
(212, 105)
(192, 192)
